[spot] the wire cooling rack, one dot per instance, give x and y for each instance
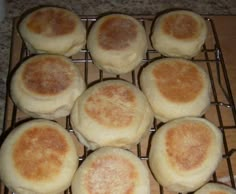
(221, 112)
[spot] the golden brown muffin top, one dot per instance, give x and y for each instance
(47, 75)
(111, 173)
(187, 145)
(181, 26)
(116, 33)
(178, 80)
(39, 152)
(52, 22)
(112, 105)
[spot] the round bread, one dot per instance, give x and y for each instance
(38, 157)
(184, 153)
(53, 30)
(111, 113)
(214, 188)
(46, 86)
(176, 88)
(179, 34)
(117, 43)
(111, 170)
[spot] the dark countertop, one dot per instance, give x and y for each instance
(88, 7)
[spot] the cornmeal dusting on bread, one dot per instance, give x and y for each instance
(51, 22)
(39, 153)
(47, 75)
(181, 26)
(116, 33)
(178, 81)
(187, 145)
(111, 174)
(112, 106)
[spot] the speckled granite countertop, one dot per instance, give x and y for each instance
(91, 7)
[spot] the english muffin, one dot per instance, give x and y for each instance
(46, 86)
(53, 30)
(111, 170)
(117, 43)
(111, 113)
(211, 188)
(38, 157)
(179, 34)
(176, 88)
(184, 153)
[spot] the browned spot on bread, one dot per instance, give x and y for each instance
(39, 153)
(187, 145)
(112, 106)
(111, 174)
(181, 26)
(217, 192)
(116, 33)
(178, 81)
(47, 75)
(51, 22)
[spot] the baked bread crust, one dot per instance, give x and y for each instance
(38, 157)
(111, 170)
(179, 34)
(53, 30)
(176, 88)
(111, 113)
(117, 43)
(184, 153)
(46, 86)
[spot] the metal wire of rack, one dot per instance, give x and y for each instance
(210, 58)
